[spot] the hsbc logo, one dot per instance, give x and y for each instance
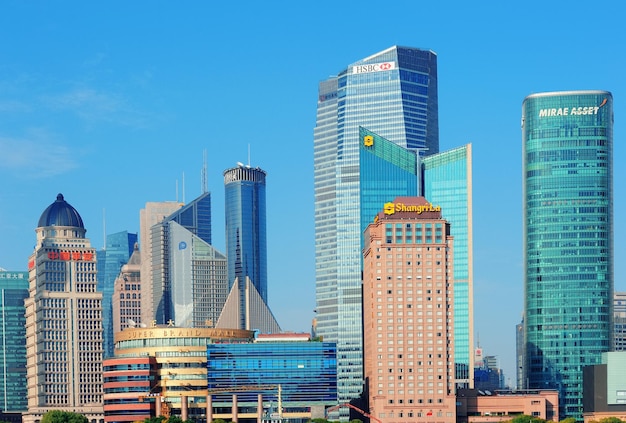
(375, 67)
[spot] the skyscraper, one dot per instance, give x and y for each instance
(394, 94)
(246, 234)
(447, 181)
(63, 318)
(178, 243)
(407, 313)
(152, 214)
(567, 140)
(119, 247)
(13, 291)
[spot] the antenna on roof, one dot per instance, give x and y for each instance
(203, 180)
(104, 230)
(183, 187)
(248, 155)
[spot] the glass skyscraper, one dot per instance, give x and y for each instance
(246, 234)
(193, 219)
(394, 94)
(567, 142)
(13, 291)
(447, 182)
(119, 247)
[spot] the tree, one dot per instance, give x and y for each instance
(58, 416)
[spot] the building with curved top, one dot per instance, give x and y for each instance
(168, 366)
(64, 344)
(567, 142)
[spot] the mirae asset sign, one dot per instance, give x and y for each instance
(571, 111)
(374, 67)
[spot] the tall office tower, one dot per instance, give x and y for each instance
(179, 241)
(126, 302)
(118, 248)
(408, 313)
(447, 181)
(567, 140)
(394, 94)
(153, 213)
(13, 291)
(246, 234)
(63, 318)
(619, 321)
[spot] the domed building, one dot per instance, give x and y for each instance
(63, 319)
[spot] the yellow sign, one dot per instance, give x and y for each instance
(391, 208)
(368, 140)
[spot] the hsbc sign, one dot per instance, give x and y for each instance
(375, 67)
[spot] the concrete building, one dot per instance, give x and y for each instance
(604, 392)
(567, 142)
(63, 319)
(126, 301)
(153, 213)
(619, 321)
(408, 311)
(478, 406)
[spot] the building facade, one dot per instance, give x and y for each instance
(151, 215)
(619, 322)
(246, 231)
(394, 94)
(447, 182)
(605, 388)
(119, 246)
(169, 364)
(280, 376)
(13, 291)
(63, 318)
(126, 301)
(567, 142)
(408, 311)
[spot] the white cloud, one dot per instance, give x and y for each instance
(36, 156)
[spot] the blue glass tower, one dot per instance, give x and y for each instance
(567, 140)
(447, 182)
(13, 392)
(119, 248)
(246, 241)
(392, 93)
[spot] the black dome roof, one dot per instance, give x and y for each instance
(60, 213)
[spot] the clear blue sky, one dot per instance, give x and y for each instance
(111, 103)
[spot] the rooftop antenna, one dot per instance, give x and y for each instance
(177, 190)
(203, 178)
(104, 229)
(183, 187)
(248, 155)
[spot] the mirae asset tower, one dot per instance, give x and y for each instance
(567, 142)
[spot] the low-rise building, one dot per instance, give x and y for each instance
(477, 406)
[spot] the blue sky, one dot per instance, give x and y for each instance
(113, 103)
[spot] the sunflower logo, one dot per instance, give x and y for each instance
(368, 140)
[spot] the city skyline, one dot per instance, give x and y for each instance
(114, 107)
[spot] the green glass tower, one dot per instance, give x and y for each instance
(13, 291)
(567, 140)
(447, 182)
